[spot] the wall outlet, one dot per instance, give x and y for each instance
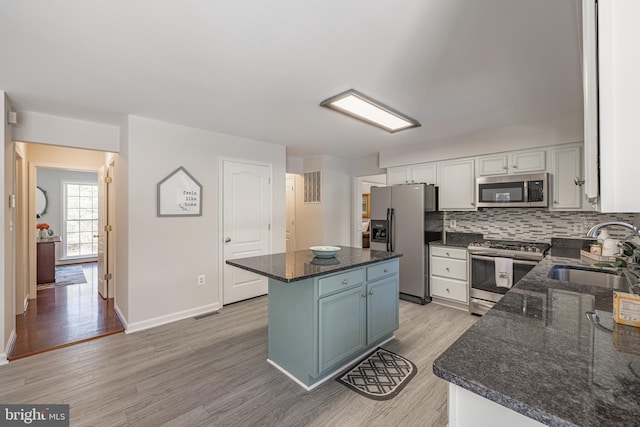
(201, 279)
(452, 223)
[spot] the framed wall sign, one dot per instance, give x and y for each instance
(179, 194)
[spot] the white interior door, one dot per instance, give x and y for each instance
(246, 205)
(102, 234)
(291, 213)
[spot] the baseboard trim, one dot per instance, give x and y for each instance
(173, 317)
(331, 374)
(450, 304)
(12, 341)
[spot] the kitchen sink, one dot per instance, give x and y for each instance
(587, 276)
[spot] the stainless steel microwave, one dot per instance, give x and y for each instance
(526, 190)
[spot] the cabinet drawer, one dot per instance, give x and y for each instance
(451, 268)
(382, 269)
(341, 281)
(448, 252)
(448, 288)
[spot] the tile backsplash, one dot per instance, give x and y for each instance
(529, 224)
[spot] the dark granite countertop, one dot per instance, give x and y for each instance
(537, 353)
(452, 245)
(458, 240)
(300, 265)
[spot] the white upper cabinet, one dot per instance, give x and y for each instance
(423, 172)
(493, 165)
(567, 179)
(398, 175)
(512, 163)
(528, 161)
(457, 185)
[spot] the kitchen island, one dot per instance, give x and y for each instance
(537, 358)
(326, 313)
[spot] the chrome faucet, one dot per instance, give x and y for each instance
(593, 232)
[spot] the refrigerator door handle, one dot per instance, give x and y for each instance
(388, 228)
(391, 230)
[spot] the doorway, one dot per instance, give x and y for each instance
(65, 315)
(290, 230)
(62, 305)
(362, 207)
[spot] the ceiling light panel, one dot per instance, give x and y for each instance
(361, 107)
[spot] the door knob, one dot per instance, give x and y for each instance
(227, 240)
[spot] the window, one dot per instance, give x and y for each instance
(80, 219)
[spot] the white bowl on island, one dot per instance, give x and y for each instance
(324, 251)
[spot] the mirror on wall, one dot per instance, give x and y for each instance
(41, 202)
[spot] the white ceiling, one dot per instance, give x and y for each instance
(259, 69)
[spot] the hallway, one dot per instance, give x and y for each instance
(65, 315)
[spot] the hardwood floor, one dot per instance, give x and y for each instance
(65, 315)
(213, 372)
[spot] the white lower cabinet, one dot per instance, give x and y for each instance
(449, 275)
(467, 409)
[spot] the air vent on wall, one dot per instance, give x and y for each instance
(313, 187)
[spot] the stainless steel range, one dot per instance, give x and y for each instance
(485, 287)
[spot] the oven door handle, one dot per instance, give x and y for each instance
(515, 261)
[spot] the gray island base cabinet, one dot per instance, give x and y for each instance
(319, 326)
(326, 314)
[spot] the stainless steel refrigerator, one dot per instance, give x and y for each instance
(405, 218)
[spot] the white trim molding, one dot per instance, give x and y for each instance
(169, 318)
(10, 344)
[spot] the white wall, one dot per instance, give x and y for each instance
(373, 181)
(556, 130)
(325, 223)
(122, 226)
(366, 166)
(166, 254)
(66, 132)
(336, 197)
(7, 237)
(295, 165)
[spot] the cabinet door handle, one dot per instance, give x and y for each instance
(505, 168)
(364, 295)
(227, 240)
(448, 291)
(447, 253)
(386, 270)
(371, 292)
(515, 166)
(345, 281)
(447, 268)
